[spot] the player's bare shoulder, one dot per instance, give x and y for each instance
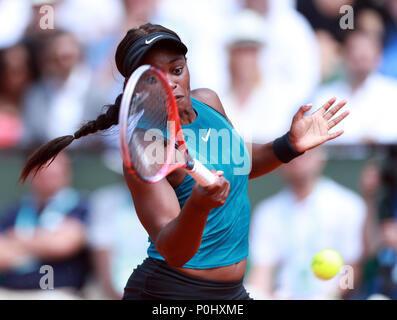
(209, 97)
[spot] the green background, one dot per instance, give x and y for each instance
(90, 173)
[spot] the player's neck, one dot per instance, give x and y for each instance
(187, 114)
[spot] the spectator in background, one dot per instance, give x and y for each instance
(330, 57)
(117, 240)
(64, 96)
(253, 96)
(95, 22)
(100, 31)
(389, 61)
(289, 228)
(380, 276)
(365, 89)
(370, 180)
(138, 12)
(14, 18)
(47, 227)
(367, 20)
(195, 22)
(34, 27)
(91, 22)
(15, 76)
(370, 22)
(132, 14)
(290, 57)
(324, 15)
(202, 25)
(35, 35)
(197, 32)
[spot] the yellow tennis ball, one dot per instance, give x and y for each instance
(327, 263)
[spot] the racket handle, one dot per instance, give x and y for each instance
(201, 174)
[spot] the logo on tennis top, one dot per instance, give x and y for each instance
(205, 139)
(225, 146)
(151, 40)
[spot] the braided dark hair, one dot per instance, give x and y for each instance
(50, 150)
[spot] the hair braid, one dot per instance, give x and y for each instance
(104, 121)
(50, 150)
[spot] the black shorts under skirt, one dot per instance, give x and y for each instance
(156, 280)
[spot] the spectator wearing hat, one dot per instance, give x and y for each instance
(253, 96)
(291, 54)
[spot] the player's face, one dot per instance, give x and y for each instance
(173, 64)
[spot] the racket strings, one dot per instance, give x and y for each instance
(148, 126)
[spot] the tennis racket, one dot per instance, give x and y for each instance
(151, 138)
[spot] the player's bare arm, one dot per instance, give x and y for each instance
(176, 232)
(306, 132)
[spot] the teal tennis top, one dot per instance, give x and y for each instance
(212, 140)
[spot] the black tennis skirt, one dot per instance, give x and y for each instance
(156, 280)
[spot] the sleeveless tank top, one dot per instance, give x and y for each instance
(212, 140)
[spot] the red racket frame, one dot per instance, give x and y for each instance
(176, 135)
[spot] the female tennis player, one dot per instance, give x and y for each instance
(198, 235)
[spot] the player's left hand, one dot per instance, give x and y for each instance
(307, 132)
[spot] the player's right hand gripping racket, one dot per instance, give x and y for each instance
(151, 138)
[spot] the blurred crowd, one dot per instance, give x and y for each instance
(264, 58)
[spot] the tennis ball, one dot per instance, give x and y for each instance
(327, 263)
